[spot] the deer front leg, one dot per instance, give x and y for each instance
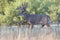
(30, 25)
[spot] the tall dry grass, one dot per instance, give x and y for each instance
(23, 33)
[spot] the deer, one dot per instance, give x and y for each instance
(34, 19)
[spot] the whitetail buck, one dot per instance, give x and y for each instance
(34, 19)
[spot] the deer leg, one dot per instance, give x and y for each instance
(48, 25)
(30, 25)
(42, 25)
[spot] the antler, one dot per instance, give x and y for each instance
(23, 6)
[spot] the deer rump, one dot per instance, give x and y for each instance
(37, 19)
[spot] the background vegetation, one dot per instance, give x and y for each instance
(9, 14)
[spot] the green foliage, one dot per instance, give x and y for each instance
(5, 20)
(9, 14)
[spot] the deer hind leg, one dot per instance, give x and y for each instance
(48, 25)
(42, 25)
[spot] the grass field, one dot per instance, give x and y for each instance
(23, 33)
